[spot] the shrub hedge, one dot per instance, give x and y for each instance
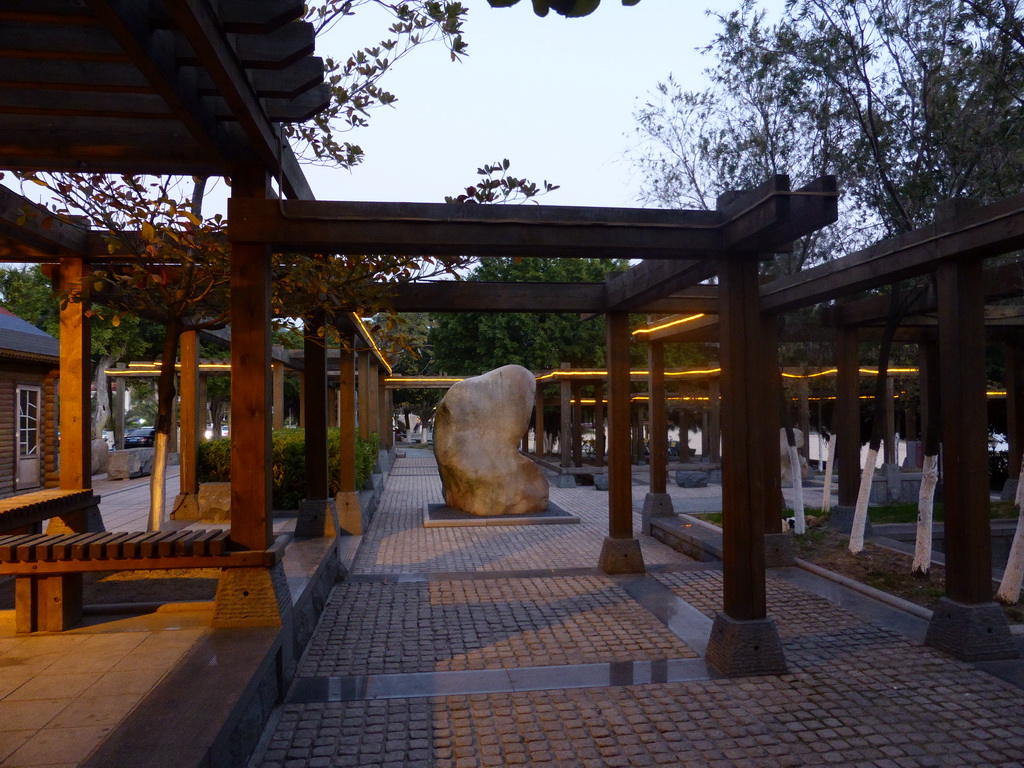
(288, 466)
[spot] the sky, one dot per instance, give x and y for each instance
(555, 96)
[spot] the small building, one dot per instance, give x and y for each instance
(29, 360)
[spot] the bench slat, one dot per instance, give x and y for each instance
(80, 549)
(26, 549)
(62, 549)
(106, 548)
(183, 547)
(219, 544)
(168, 546)
(199, 544)
(133, 546)
(44, 549)
(9, 545)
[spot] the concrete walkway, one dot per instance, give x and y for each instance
(498, 646)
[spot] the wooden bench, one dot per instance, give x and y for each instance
(48, 569)
(26, 512)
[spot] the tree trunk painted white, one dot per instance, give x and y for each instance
(102, 412)
(157, 482)
(826, 495)
(1013, 574)
(860, 512)
(799, 518)
(925, 515)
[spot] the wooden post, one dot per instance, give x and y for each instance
(251, 518)
(302, 399)
(191, 427)
(314, 393)
(847, 419)
(966, 622)
(349, 513)
(565, 416)
(658, 419)
(743, 639)
(75, 381)
(772, 427)
(278, 378)
(621, 552)
(538, 421)
(384, 417)
(804, 395)
(365, 403)
(599, 439)
(577, 426)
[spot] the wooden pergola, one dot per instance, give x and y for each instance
(180, 88)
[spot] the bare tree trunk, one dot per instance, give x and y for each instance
(826, 495)
(799, 517)
(164, 417)
(930, 467)
(1013, 574)
(102, 412)
(860, 513)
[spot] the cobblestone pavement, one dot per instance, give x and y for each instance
(856, 694)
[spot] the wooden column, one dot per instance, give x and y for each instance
(278, 379)
(565, 416)
(120, 409)
(621, 552)
(302, 399)
(1014, 380)
(803, 396)
(349, 513)
(577, 426)
(966, 622)
(847, 417)
(365, 401)
(384, 419)
(743, 639)
(599, 439)
(314, 392)
(192, 425)
(538, 421)
(658, 419)
(75, 381)
(964, 430)
(251, 406)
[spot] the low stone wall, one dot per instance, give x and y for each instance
(129, 463)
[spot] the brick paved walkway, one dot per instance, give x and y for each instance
(462, 647)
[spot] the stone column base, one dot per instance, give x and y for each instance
(350, 514)
(566, 481)
(739, 648)
(621, 556)
(317, 518)
(779, 550)
(655, 505)
(841, 519)
(85, 520)
(252, 597)
(971, 632)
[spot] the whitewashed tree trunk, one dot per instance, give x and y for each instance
(799, 518)
(926, 515)
(860, 512)
(1013, 575)
(157, 482)
(102, 412)
(826, 495)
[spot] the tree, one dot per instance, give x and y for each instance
(474, 342)
(909, 102)
(567, 8)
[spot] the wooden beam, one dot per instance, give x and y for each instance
(986, 231)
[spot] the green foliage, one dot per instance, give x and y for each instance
(474, 342)
(288, 468)
(567, 8)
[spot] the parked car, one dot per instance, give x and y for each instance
(143, 437)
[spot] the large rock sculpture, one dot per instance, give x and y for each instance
(477, 429)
